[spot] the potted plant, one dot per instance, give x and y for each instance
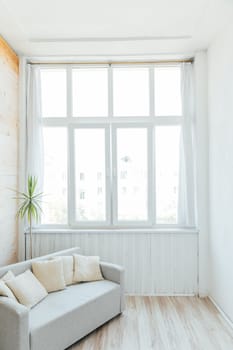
(29, 206)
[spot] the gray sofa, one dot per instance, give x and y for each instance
(63, 317)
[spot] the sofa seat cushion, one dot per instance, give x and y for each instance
(66, 316)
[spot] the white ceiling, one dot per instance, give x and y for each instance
(112, 28)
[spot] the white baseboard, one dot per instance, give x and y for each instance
(223, 314)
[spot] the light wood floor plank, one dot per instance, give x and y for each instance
(162, 323)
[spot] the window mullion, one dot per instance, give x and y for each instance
(151, 91)
(110, 92)
(70, 150)
(151, 158)
(71, 176)
(108, 175)
(114, 175)
(153, 176)
(111, 194)
(69, 91)
(150, 167)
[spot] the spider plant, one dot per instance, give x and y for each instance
(29, 206)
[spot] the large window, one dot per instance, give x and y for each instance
(112, 138)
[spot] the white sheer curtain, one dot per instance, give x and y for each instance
(186, 207)
(34, 141)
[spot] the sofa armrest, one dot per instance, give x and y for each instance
(14, 325)
(115, 273)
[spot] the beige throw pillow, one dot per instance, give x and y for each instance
(27, 289)
(86, 268)
(68, 268)
(50, 273)
(4, 290)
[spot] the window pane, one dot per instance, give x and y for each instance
(90, 174)
(90, 92)
(53, 92)
(55, 176)
(167, 91)
(132, 173)
(130, 92)
(167, 173)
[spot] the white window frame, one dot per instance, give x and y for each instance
(89, 223)
(116, 221)
(110, 124)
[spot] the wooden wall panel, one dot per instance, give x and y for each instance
(155, 263)
(10, 57)
(8, 151)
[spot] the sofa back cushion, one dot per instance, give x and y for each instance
(68, 268)
(86, 268)
(50, 274)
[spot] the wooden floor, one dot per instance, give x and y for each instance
(162, 323)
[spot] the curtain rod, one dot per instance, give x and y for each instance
(189, 60)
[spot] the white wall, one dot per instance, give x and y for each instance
(220, 83)
(201, 157)
(8, 152)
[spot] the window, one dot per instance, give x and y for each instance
(55, 176)
(112, 145)
(130, 92)
(90, 92)
(90, 160)
(167, 92)
(53, 93)
(167, 146)
(132, 181)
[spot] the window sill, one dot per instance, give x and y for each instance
(175, 230)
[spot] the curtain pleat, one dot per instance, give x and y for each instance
(186, 207)
(34, 135)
